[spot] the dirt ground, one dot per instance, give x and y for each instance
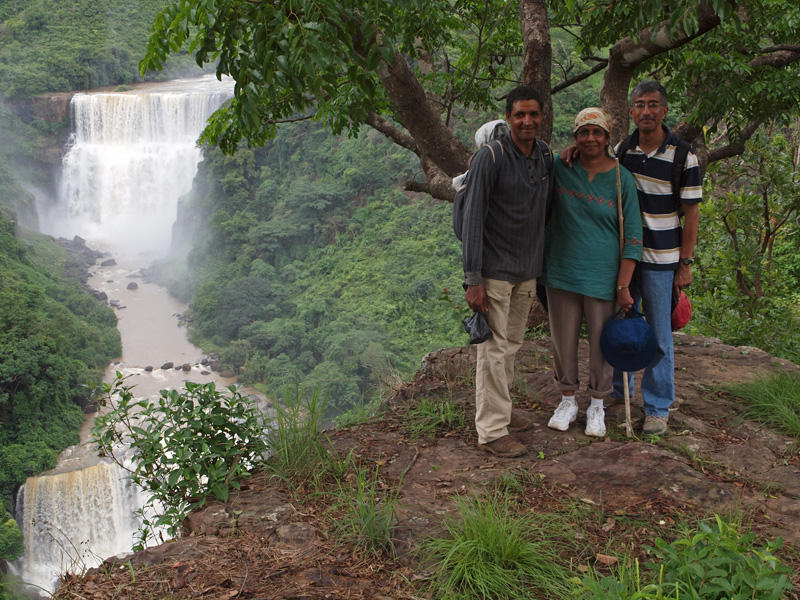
(268, 543)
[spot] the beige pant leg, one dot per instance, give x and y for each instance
(495, 357)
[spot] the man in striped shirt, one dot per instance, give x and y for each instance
(668, 248)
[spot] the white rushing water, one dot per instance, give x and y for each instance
(131, 157)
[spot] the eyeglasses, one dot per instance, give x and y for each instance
(653, 104)
(585, 132)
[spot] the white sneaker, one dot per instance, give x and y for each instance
(566, 412)
(595, 421)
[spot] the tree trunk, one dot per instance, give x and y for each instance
(423, 122)
(538, 56)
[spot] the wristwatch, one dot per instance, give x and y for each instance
(687, 261)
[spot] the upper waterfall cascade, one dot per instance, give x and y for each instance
(132, 155)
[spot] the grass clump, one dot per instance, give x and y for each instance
(491, 552)
(431, 415)
(773, 400)
(298, 453)
(366, 515)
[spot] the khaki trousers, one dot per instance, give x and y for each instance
(566, 310)
(509, 305)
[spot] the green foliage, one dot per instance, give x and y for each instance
(366, 516)
(56, 338)
(492, 552)
(11, 543)
(773, 400)
(50, 46)
(747, 291)
(186, 447)
(331, 278)
(719, 562)
(713, 561)
(359, 413)
(323, 57)
(625, 584)
(429, 416)
(745, 90)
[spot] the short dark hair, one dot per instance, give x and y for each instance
(648, 86)
(524, 92)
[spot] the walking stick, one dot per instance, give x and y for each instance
(628, 427)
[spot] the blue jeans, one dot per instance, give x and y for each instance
(654, 291)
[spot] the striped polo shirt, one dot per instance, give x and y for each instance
(661, 226)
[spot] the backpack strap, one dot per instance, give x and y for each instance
(491, 144)
(678, 163)
(624, 146)
(547, 155)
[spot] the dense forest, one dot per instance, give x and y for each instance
(303, 260)
(56, 340)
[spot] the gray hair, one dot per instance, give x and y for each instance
(646, 87)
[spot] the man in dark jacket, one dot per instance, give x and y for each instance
(503, 244)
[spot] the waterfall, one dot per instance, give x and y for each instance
(72, 521)
(131, 156)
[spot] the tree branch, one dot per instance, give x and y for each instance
(580, 77)
(736, 146)
(423, 123)
(777, 57)
(386, 128)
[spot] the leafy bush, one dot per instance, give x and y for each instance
(717, 562)
(712, 562)
(185, 447)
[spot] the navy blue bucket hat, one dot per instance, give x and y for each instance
(628, 342)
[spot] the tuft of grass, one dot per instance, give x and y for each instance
(429, 416)
(297, 452)
(366, 515)
(491, 552)
(773, 400)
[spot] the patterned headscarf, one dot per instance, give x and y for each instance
(593, 116)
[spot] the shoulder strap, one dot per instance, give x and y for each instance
(491, 144)
(625, 145)
(547, 155)
(678, 163)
